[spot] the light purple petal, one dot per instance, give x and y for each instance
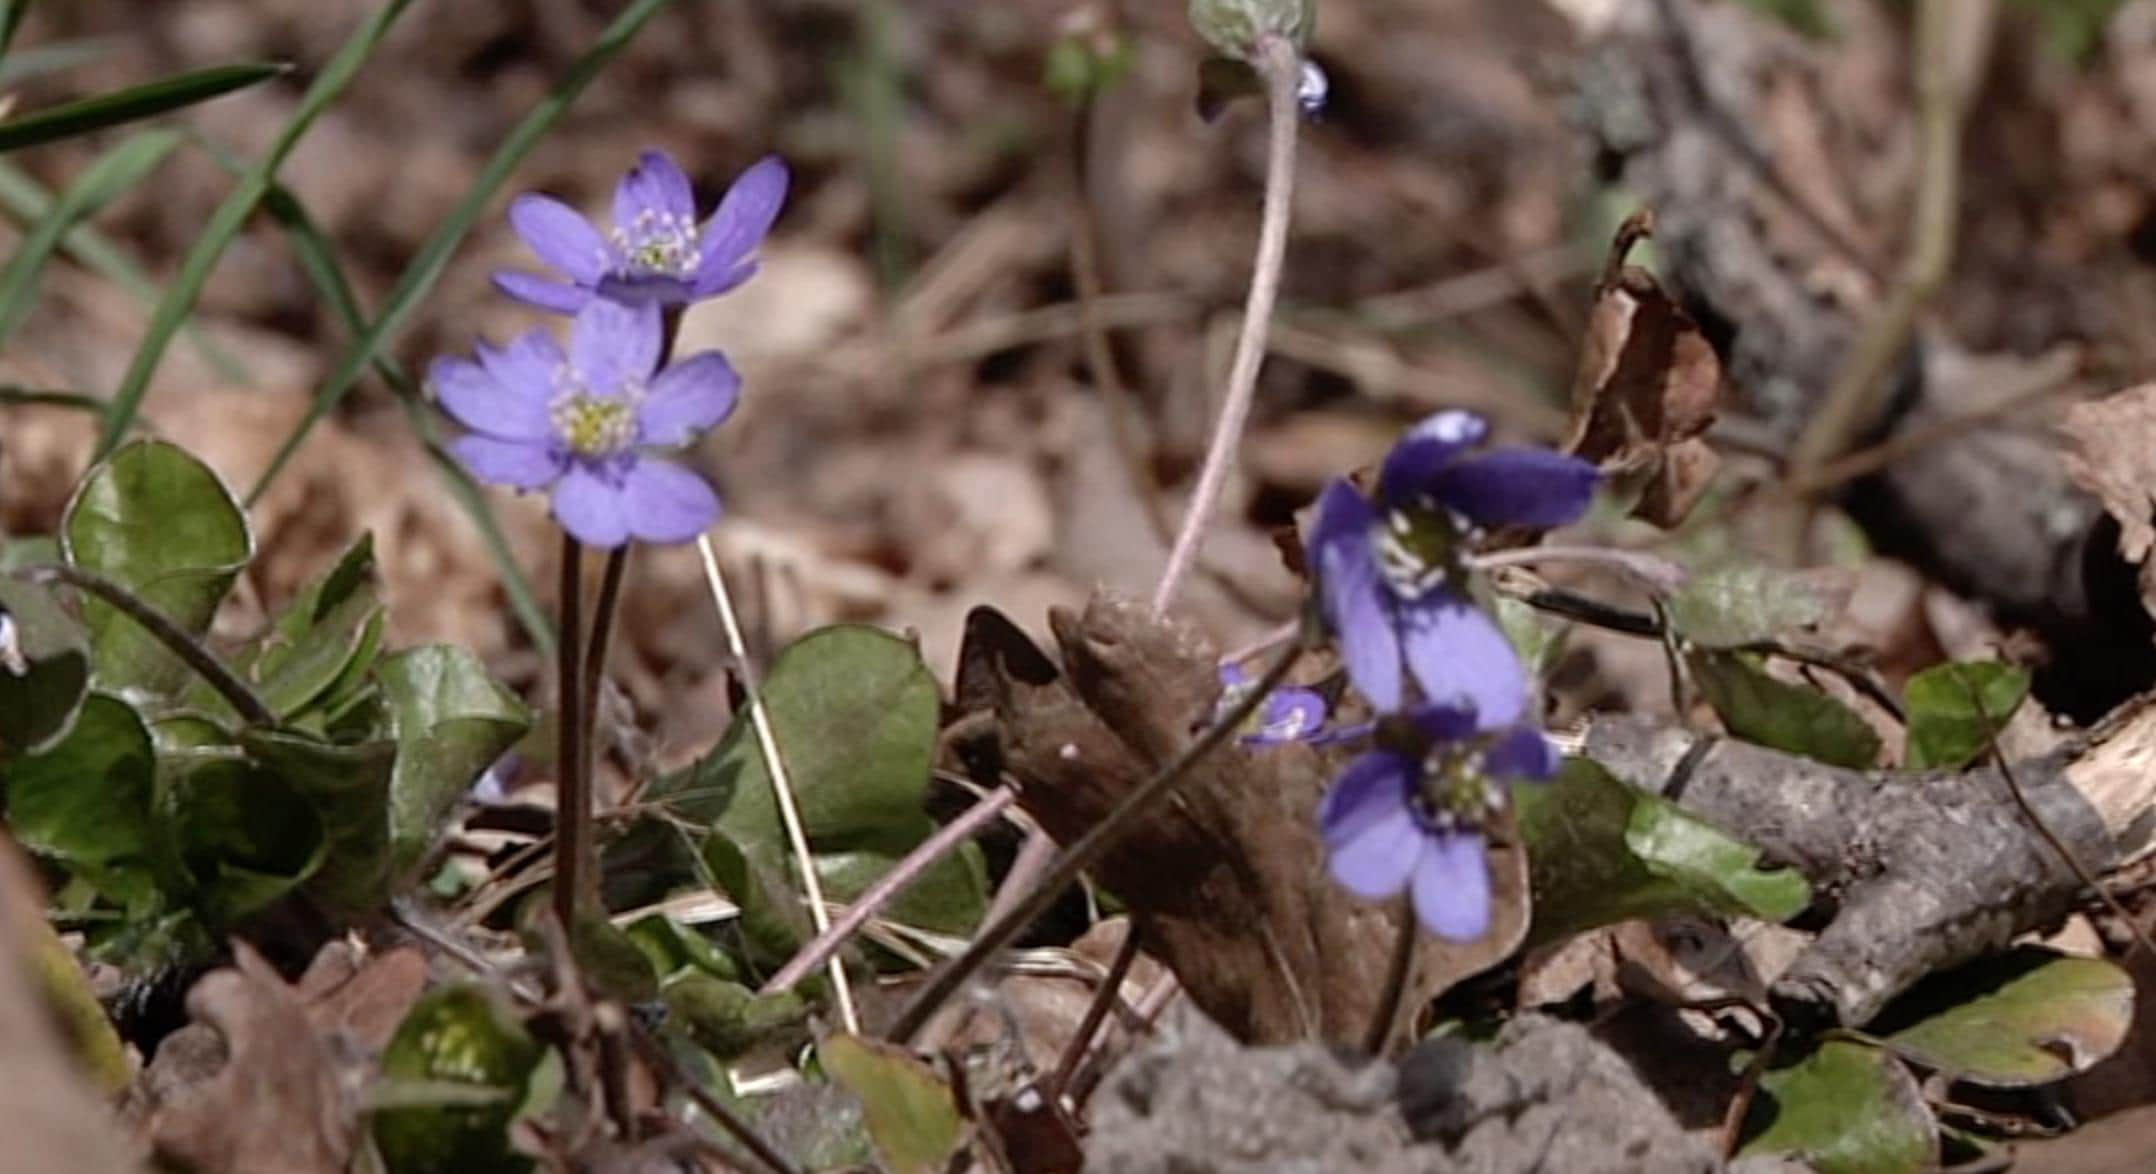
(519, 464)
(1522, 753)
(1452, 887)
(534, 290)
(743, 218)
(668, 503)
(560, 236)
(1460, 657)
(1355, 599)
(1372, 841)
(611, 344)
(1426, 448)
(715, 279)
(687, 398)
(591, 509)
(1232, 674)
(483, 403)
(654, 185)
(1517, 486)
(526, 366)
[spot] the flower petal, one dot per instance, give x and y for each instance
(1372, 841)
(743, 218)
(560, 236)
(1443, 723)
(1289, 714)
(534, 290)
(1355, 600)
(483, 403)
(715, 279)
(1517, 486)
(1452, 887)
(1521, 753)
(612, 344)
(1426, 448)
(1460, 657)
(590, 508)
(654, 185)
(528, 365)
(519, 464)
(640, 288)
(687, 398)
(668, 503)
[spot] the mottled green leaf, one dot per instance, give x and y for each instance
(1954, 709)
(312, 644)
(242, 836)
(456, 1035)
(1741, 603)
(86, 801)
(2029, 1016)
(911, 1116)
(1844, 1108)
(44, 668)
(451, 721)
(349, 788)
(1798, 719)
(673, 948)
(726, 1018)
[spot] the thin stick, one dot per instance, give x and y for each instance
(1394, 991)
(656, 1055)
(171, 635)
(1277, 59)
(775, 766)
(889, 885)
(997, 934)
(1096, 1012)
(572, 801)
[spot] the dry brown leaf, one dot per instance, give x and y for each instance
(2112, 454)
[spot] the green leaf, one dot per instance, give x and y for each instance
(451, 721)
(115, 172)
(1845, 1108)
(1742, 603)
(11, 14)
(131, 104)
(2074, 29)
(46, 672)
(1794, 718)
(1805, 16)
(461, 1036)
(911, 1116)
(349, 788)
(1955, 709)
(230, 216)
(1601, 851)
(314, 642)
(87, 801)
(726, 1018)
(673, 948)
(611, 960)
(158, 522)
(2026, 1017)
(240, 834)
(854, 712)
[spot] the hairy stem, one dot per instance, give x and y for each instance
(602, 633)
(1280, 65)
(572, 802)
(175, 638)
(1096, 1012)
(1394, 991)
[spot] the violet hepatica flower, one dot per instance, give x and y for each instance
(591, 424)
(655, 250)
(1290, 713)
(1412, 818)
(1391, 569)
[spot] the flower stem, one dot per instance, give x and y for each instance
(572, 803)
(1081, 855)
(602, 633)
(1096, 1013)
(1280, 64)
(1394, 991)
(171, 635)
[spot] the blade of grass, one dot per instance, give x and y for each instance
(38, 397)
(132, 104)
(427, 265)
(230, 215)
(25, 201)
(11, 20)
(19, 67)
(114, 172)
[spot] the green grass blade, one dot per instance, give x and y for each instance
(26, 202)
(10, 20)
(35, 397)
(131, 104)
(115, 172)
(225, 222)
(30, 63)
(433, 257)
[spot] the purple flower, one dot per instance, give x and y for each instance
(1396, 819)
(1289, 713)
(1390, 570)
(586, 423)
(655, 251)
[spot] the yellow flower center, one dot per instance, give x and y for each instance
(593, 426)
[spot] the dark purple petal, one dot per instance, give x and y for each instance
(642, 288)
(534, 290)
(612, 345)
(1521, 753)
(561, 237)
(1444, 723)
(1460, 657)
(519, 464)
(667, 503)
(687, 398)
(1289, 714)
(1354, 598)
(1426, 448)
(479, 401)
(1452, 886)
(1372, 841)
(1517, 486)
(590, 508)
(656, 186)
(743, 218)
